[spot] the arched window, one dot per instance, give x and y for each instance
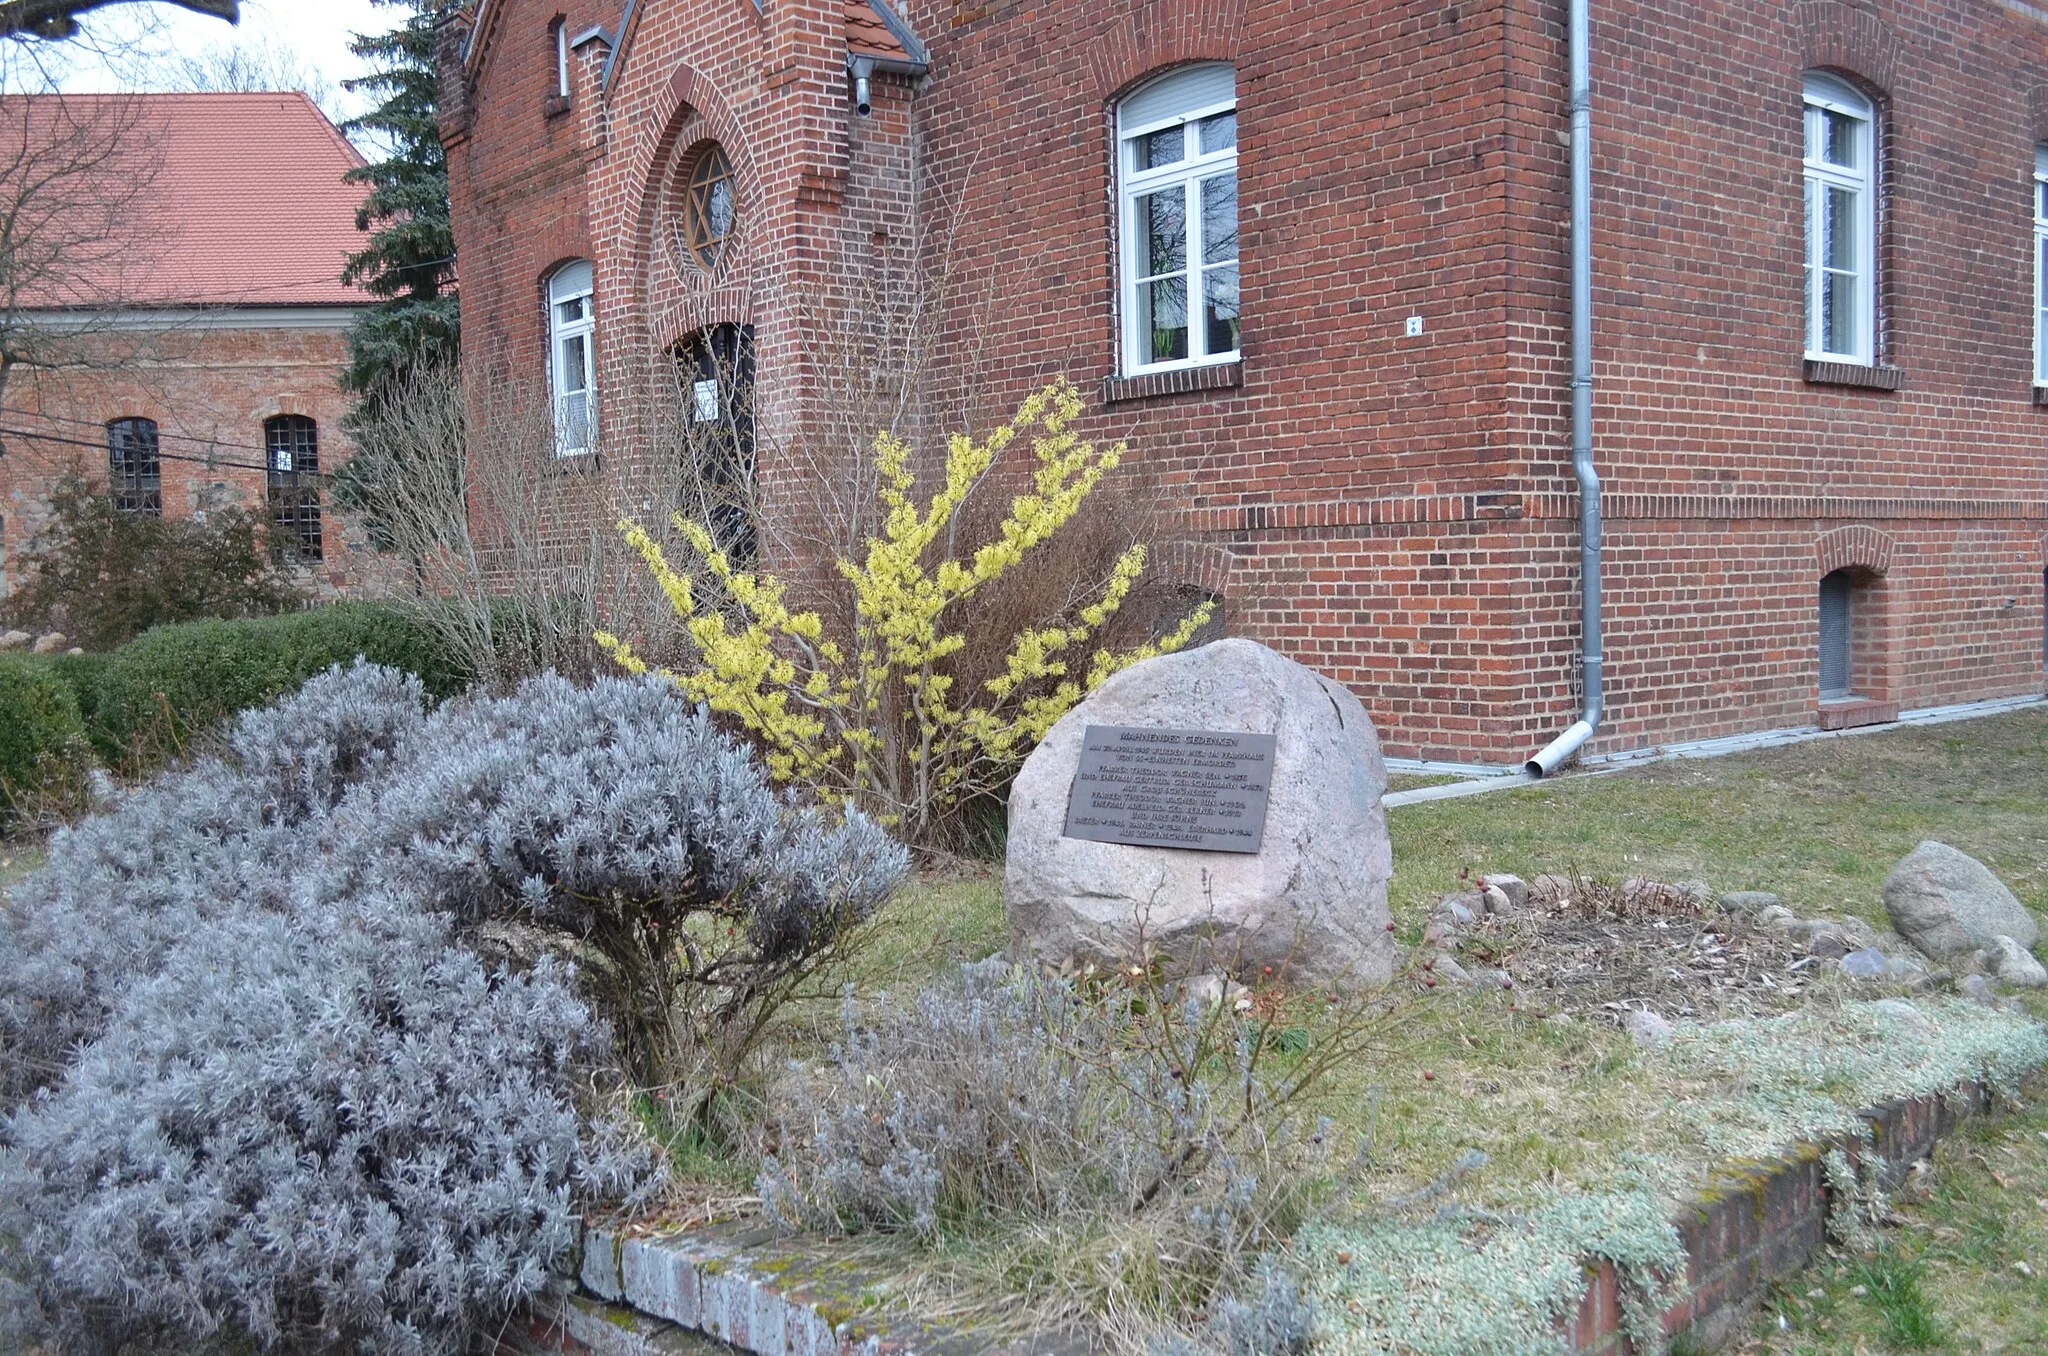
(134, 472)
(572, 369)
(1177, 191)
(719, 486)
(292, 479)
(1841, 223)
(2041, 266)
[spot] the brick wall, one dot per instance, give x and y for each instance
(1395, 510)
(209, 389)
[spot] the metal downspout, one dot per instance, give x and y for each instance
(1565, 745)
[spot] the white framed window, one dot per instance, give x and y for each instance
(2041, 265)
(561, 27)
(572, 371)
(1177, 200)
(1841, 223)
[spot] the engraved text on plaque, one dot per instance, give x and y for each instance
(1201, 789)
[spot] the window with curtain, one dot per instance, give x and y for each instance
(292, 480)
(1177, 195)
(572, 372)
(134, 470)
(1841, 222)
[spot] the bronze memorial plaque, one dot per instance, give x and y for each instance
(1200, 789)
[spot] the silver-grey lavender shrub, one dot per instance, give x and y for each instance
(618, 817)
(262, 1088)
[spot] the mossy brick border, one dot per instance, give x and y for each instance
(1761, 1221)
(641, 1295)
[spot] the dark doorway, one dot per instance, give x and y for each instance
(716, 369)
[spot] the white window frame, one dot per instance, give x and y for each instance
(1824, 95)
(567, 285)
(2041, 265)
(562, 58)
(1133, 185)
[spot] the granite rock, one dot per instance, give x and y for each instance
(1311, 903)
(1947, 903)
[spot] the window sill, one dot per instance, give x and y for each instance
(575, 463)
(1820, 372)
(555, 105)
(1846, 713)
(1178, 381)
(2041, 396)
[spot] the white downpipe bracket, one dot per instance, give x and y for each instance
(1561, 749)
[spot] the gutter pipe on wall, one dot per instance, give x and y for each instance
(1565, 745)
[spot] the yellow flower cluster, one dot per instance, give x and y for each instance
(878, 723)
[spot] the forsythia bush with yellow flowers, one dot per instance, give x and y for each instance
(876, 718)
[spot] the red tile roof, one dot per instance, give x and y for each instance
(867, 34)
(244, 206)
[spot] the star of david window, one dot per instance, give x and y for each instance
(710, 208)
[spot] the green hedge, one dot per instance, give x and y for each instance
(151, 696)
(42, 734)
(144, 703)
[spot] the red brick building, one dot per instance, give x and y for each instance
(1312, 261)
(179, 320)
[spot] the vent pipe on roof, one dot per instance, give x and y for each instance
(1590, 661)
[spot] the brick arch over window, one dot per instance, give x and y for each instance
(1837, 36)
(690, 103)
(1154, 36)
(2037, 113)
(1857, 547)
(1200, 564)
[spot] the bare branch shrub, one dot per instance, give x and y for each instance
(1137, 1144)
(511, 547)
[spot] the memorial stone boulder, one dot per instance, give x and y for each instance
(1214, 810)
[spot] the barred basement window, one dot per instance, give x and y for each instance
(292, 442)
(1837, 636)
(134, 472)
(1841, 223)
(1177, 189)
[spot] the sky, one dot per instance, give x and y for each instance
(144, 47)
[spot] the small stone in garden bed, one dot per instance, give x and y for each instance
(2015, 965)
(1977, 989)
(1513, 887)
(1869, 963)
(1647, 1028)
(1460, 908)
(1748, 902)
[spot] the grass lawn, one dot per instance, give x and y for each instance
(1556, 1106)
(1821, 823)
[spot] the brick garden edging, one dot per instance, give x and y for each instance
(636, 1296)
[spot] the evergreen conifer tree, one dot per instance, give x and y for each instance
(409, 262)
